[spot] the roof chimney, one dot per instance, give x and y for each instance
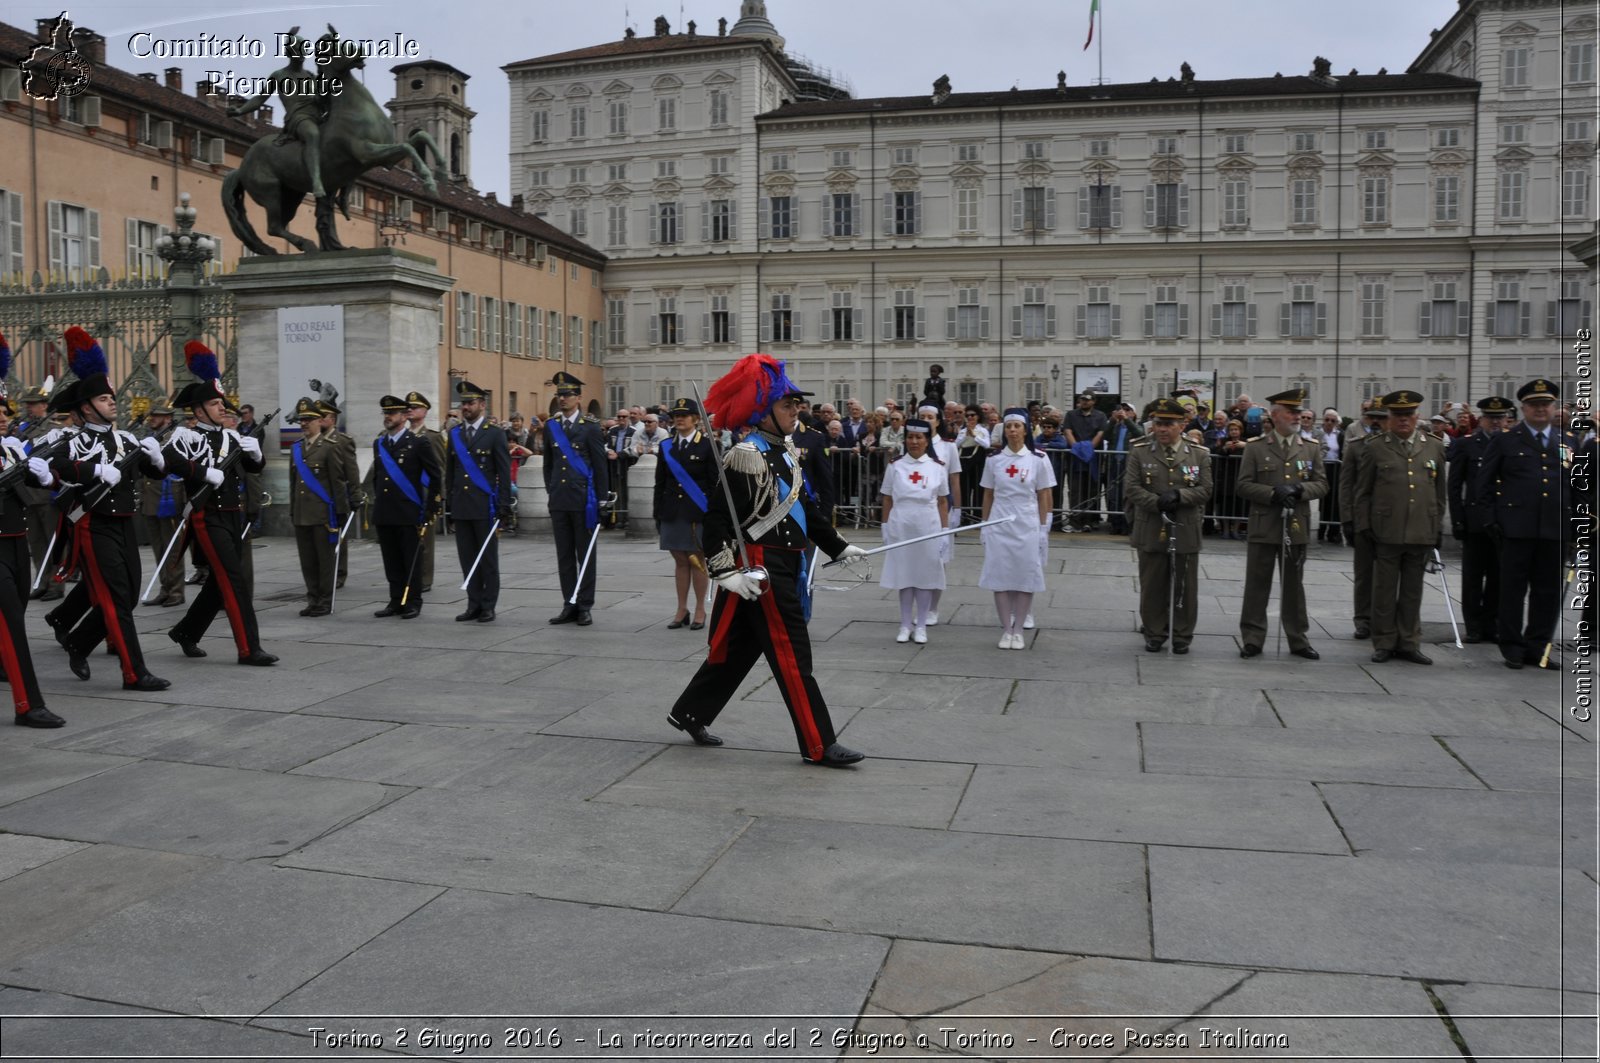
(174, 78)
(516, 202)
(941, 89)
(722, 27)
(91, 44)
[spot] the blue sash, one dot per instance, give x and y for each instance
(591, 509)
(797, 510)
(400, 479)
(679, 473)
(469, 465)
(315, 487)
(167, 507)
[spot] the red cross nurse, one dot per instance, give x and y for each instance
(1017, 479)
(915, 502)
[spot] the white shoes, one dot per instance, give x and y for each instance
(904, 636)
(1011, 642)
(1027, 622)
(1005, 640)
(933, 619)
(920, 636)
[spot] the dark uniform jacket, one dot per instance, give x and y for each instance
(1469, 514)
(335, 469)
(1265, 465)
(416, 458)
(1148, 475)
(813, 446)
(1349, 470)
(567, 488)
(695, 457)
(752, 476)
(95, 446)
(1403, 496)
(13, 504)
(30, 432)
(492, 453)
(191, 451)
(1520, 484)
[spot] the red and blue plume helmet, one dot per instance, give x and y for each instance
(747, 392)
(5, 358)
(84, 354)
(202, 362)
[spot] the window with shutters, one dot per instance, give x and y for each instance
(74, 239)
(1514, 132)
(905, 317)
(1100, 206)
(1514, 67)
(904, 213)
(667, 393)
(554, 334)
(1375, 140)
(968, 316)
(1577, 131)
(11, 219)
(1571, 311)
(967, 198)
(778, 162)
(578, 222)
(535, 333)
(1302, 311)
(719, 220)
(1447, 198)
(597, 350)
(1375, 199)
(1166, 205)
(1372, 389)
(1037, 212)
(781, 317)
(142, 258)
(1032, 318)
(578, 175)
(1166, 313)
(1033, 150)
(665, 229)
(1374, 305)
(1032, 391)
(667, 328)
(616, 321)
(1440, 392)
(1303, 141)
(968, 152)
(721, 321)
(666, 168)
(842, 315)
(1507, 314)
(466, 329)
(719, 164)
(1449, 137)
(781, 217)
(842, 213)
(491, 323)
(539, 178)
(514, 330)
(1235, 143)
(1097, 312)
(1098, 148)
(1165, 146)
(578, 122)
(1444, 314)
(616, 224)
(841, 160)
(617, 118)
(1510, 195)
(616, 171)
(1235, 193)
(1575, 192)
(1233, 318)
(1580, 62)
(539, 125)
(905, 156)
(1303, 200)
(717, 107)
(667, 114)
(575, 339)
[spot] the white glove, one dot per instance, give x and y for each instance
(850, 553)
(1044, 544)
(251, 446)
(41, 471)
(109, 475)
(743, 584)
(954, 520)
(214, 477)
(149, 445)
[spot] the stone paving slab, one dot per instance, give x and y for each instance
(1486, 827)
(459, 758)
(760, 725)
(212, 682)
(188, 950)
(1318, 756)
(969, 738)
(64, 898)
(1229, 671)
(1153, 809)
(902, 690)
(82, 712)
(1510, 764)
(1386, 714)
(1067, 701)
(228, 738)
(905, 882)
(26, 773)
(748, 783)
(1536, 1025)
(24, 852)
(475, 953)
(1368, 915)
(431, 701)
(528, 843)
(503, 665)
(191, 808)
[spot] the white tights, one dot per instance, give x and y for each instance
(915, 604)
(1013, 607)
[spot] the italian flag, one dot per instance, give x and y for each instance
(1094, 9)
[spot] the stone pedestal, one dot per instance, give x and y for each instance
(391, 303)
(642, 498)
(533, 502)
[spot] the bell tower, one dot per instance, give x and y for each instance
(432, 96)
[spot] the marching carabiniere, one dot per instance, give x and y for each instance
(575, 484)
(417, 409)
(478, 479)
(757, 528)
(161, 501)
(1166, 485)
(321, 476)
(43, 517)
(212, 460)
(686, 477)
(404, 483)
(103, 462)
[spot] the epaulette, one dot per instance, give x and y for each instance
(591, 418)
(1258, 439)
(1144, 442)
(745, 458)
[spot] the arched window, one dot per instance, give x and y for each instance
(455, 153)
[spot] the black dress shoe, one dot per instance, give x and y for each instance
(38, 716)
(1308, 653)
(470, 614)
(1379, 656)
(1471, 639)
(53, 593)
(584, 619)
(837, 756)
(79, 665)
(111, 651)
(259, 659)
(677, 622)
(568, 614)
(198, 577)
(486, 617)
(1515, 666)
(428, 589)
(1152, 645)
(701, 736)
(190, 649)
(315, 610)
(1552, 665)
(339, 586)
(148, 682)
(1250, 649)
(1414, 656)
(697, 625)
(1362, 633)
(389, 610)
(1180, 650)
(411, 612)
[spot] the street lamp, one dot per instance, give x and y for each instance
(1055, 375)
(1144, 371)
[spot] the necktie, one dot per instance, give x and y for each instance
(472, 434)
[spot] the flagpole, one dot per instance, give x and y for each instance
(1100, 51)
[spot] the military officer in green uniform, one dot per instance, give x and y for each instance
(321, 476)
(347, 445)
(417, 409)
(1401, 493)
(1373, 423)
(1167, 477)
(161, 501)
(42, 516)
(1279, 471)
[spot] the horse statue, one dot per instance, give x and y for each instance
(355, 137)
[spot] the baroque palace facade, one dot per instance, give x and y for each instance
(1350, 233)
(88, 183)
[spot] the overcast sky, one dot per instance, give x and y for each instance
(883, 47)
